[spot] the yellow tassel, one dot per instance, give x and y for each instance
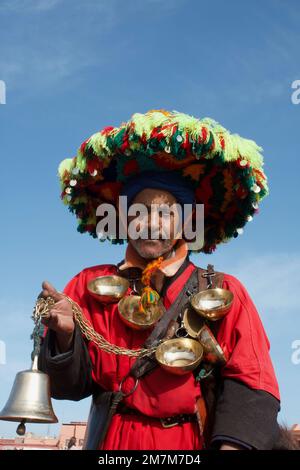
(149, 296)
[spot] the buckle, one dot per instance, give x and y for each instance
(133, 388)
(169, 422)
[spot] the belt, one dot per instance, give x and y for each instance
(167, 422)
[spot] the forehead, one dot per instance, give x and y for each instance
(151, 196)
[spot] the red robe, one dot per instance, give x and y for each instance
(161, 394)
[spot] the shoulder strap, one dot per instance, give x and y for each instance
(209, 278)
(210, 385)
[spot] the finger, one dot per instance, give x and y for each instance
(51, 321)
(46, 293)
(54, 319)
(49, 290)
(46, 320)
(47, 285)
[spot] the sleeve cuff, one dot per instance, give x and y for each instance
(217, 441)
(54, 358)
(247, 416)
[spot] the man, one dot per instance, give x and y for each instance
(164, 158)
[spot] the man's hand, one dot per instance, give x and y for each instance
(61, 317)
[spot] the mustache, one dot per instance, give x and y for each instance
(154, 234)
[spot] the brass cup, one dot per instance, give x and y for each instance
(128, 308)
(213, 353)
(212, 304)
(197, 329)
(179, 365)
(192, 322)
(108, 289)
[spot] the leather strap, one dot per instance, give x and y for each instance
(122, 408)
(206, 403)
(103, 407)
(207, 275)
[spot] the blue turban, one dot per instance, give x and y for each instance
(166, 180)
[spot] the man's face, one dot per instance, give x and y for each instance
(162, 225)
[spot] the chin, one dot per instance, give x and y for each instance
(150, 249)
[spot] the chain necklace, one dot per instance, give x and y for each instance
(42, 310)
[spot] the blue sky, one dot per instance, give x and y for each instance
(72, 67)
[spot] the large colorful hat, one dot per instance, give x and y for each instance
(224, 169)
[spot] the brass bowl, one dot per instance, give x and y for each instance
(172, 355)
(128, 308)
(192, 322)
(213, 353)
(196, 328)
(212, 304)
(108, 289)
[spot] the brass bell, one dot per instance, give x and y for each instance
(29, 400)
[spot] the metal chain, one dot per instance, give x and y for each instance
(42, 309)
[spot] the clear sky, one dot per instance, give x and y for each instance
(72, 67)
